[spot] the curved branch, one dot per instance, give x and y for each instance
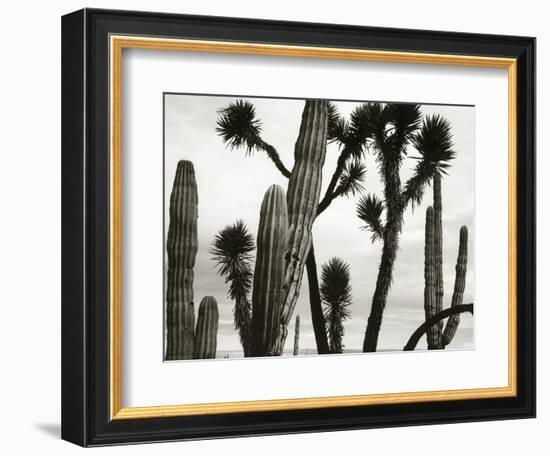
(421, 330)
(330, 193)
(274, 156)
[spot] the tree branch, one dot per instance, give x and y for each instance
(274, 156)
(330, 194)
(421, 330)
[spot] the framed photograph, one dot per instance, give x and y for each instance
(279, 227)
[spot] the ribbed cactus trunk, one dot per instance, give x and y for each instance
(304, 187)
(296, 336)
(182, 245)
(430, 306)
(267, 293)
(460, 284)
(206, 333)
(438, 255)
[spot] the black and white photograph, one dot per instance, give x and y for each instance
(304, 227)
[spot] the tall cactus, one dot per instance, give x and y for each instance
(430, 307)
(182, 246)
(304, 187)
(296, 336)
(206, 333)
(267, 291)
(460, 284)
(438, 339)
(438, 253)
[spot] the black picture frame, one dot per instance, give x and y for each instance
(85, 227)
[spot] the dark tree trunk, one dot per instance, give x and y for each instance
(243, 322)
(383, 282)
(317, 317)
(448, 312)
(394, 217)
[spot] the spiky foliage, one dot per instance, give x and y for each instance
(388, 129)
(239, 128)
(350, 171)
(238, 125)
(405, 120)
(232, 251)
(368, 121)
(351, 180)
(336, 296)
(434, 143)
(369, 210)
(337, 126)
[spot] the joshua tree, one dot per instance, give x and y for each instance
(239, 128)
(387, 130)
(336, 296)
(232, 250)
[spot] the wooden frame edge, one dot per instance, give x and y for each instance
(116, 45)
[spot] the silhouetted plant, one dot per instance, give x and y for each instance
(336, 296)
(181, 249)
(239, 128)
(296, 349)
(434, 143)
(232, 250)
(269, 273)
(386, 130)
(206, 330)
(183, 339)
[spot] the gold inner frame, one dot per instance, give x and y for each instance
(117, 44)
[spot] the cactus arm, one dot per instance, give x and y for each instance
(296, 336)
(181, 246)
(460, 284)
(449, 312)
(430, 279)
(267, 291)
(438, 257)
(206, 333)
(304, 188)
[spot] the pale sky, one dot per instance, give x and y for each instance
(231, 186)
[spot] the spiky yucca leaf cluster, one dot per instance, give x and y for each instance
(434, 143)
(351, 180)
(337, 128)
(336, 297)
(369, 210)
(238, 125)
(232, 251)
